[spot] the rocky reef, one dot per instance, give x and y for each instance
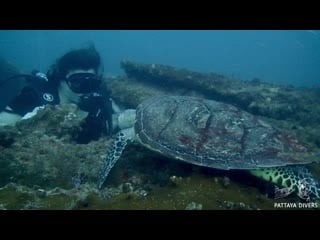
(255, 96)
(42, 167)
(40, 150)
(296, 109)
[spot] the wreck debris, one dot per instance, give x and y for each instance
(261, 98)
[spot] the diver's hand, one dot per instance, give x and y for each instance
(95, 124)
(91, 102)
(92, 128)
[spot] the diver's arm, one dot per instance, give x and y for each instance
(98, 121)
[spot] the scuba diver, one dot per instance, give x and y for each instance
(76, 78)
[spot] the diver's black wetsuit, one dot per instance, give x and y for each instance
(39, 90)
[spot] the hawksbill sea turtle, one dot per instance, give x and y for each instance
(215, 135)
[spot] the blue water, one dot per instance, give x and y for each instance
(285, 57)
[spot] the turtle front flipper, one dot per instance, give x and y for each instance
(119, 143)
(292, 179)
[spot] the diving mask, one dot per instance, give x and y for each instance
(83, 82)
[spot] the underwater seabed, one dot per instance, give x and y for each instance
(41, 166)
(145, 181)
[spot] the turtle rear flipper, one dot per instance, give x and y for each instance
(297, 179)
(119, 143)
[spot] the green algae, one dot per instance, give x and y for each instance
(200, 189)
(12, 199)
(58, 202)
(178, 194)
